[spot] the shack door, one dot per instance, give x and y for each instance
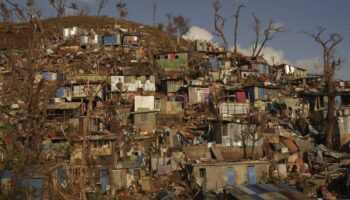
(251, 175)
(104, 180)
(230, 177)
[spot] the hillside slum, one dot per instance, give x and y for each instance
(123, 117)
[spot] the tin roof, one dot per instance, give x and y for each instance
(265, 191)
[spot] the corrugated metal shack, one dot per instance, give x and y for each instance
(214, 176)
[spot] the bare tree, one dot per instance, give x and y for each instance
(155, 5)
(219, 22)
(170, 26)
(101, 5)
(59, 6)
(269, 33)
(182, 24)
(18, 10)
(236, 27)
(5, 12)
(330, 66)
(31, 6)
(256, 28)
(23, 113)
(252, 132)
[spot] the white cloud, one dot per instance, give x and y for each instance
(312, 65)
(271, 55)
(196, 33)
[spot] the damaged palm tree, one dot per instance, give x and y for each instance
(59, 6)
(101, 5)
(122, 9)
(330, 65)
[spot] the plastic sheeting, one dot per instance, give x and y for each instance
(112, 40)
(241, 97)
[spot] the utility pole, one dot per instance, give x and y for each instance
(155, 5)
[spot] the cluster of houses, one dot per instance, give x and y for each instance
(195, 122)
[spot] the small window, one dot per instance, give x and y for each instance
(176, 57)
(202, 172)
(166, 57)
(158, 57)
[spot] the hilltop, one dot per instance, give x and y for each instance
(17, 35)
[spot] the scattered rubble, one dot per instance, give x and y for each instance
(126, 118)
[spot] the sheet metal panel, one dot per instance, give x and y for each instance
(273, 195)
(267, 187)
(256, 197)
(256, 190)
(245, 189)
(263, 190)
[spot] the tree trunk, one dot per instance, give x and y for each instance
(244, 149)
(253, 148)
(330, 120)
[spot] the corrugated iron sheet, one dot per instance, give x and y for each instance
(265, 191)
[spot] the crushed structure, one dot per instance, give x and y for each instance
(123, 116)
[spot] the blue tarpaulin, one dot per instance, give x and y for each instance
(36, 185)
(60, 76)
(60, 174)
(214, 64)
(263, 68)
(261, 93)
(6, 174)
(104, 180)
(139, 159)
(46, 75)
(111, 40)
(60, 93)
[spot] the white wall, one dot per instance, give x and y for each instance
(144, 103)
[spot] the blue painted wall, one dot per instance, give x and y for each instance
(251, 175)
(230, 176)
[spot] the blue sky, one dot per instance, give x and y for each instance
(296, 15)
